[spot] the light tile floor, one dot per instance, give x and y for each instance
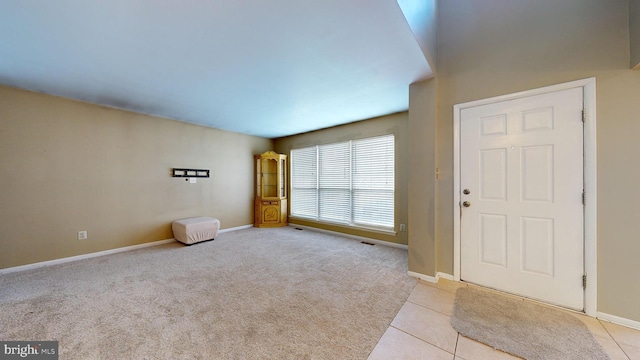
(422, 330)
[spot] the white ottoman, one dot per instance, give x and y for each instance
(193, 230)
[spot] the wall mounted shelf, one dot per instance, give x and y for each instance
(201, 173)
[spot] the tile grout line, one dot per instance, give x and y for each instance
(455, 349)
(614, 339)
(390, 326)
(434, 286)
(426, 307)
(426, 342)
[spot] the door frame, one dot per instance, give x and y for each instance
(590, 179)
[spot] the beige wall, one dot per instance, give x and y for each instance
(69, 166)
(497, 47)
(396, 124)
(634, 32)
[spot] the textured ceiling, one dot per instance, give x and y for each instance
(267, 68)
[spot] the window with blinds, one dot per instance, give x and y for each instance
(349, 182)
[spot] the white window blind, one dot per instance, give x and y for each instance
(334, 182)
(373, 181)
(349, 182)
(304, 182)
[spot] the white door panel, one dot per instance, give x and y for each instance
(522, 162)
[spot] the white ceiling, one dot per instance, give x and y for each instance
(267, 68)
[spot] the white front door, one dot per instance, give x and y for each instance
(521, 184)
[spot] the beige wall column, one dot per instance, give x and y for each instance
(422, 178)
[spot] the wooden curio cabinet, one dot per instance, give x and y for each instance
(271, 190)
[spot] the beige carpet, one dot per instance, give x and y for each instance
(522, 328)
(249, 294)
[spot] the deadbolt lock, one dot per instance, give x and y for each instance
(466, 204)
(466, 191)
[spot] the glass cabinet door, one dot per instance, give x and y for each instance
(269, 177)
(283, 177)
(258, 178)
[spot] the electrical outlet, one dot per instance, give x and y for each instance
(403, 227)
(82, 235)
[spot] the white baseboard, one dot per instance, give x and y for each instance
(441, 275)
(222, 231)
(355, 237)
(102, 253)
(619, 320)
(431, 279)
(82, 257)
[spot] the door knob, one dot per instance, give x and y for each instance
(466, 191)
(466, 204)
